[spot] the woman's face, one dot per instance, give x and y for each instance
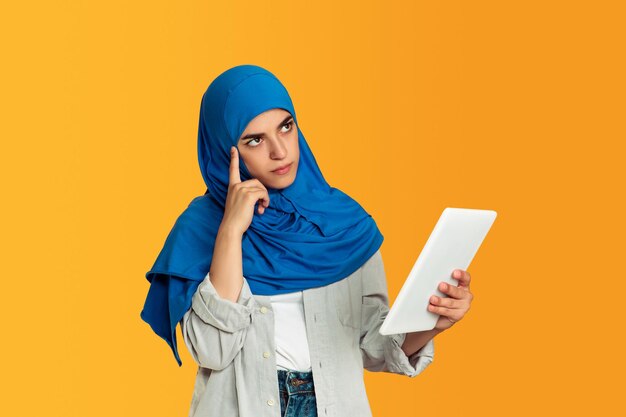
(270, 141)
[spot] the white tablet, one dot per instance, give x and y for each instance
(452, 245)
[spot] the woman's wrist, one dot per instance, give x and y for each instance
(228, 231)
(414, 341)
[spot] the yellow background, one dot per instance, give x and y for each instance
(409, 107)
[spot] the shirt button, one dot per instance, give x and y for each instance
(266, 354)
(270, 402)
(263, 309)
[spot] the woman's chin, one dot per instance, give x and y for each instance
(278, 184)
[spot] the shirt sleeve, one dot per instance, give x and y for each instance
(215, 328)
(383, 353)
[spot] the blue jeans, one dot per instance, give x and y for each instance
(297, 394)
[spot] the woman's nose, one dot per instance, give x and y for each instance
(278, 149)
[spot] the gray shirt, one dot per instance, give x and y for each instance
(233, 346)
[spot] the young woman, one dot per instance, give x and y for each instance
(276, 277)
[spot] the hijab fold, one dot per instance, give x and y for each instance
(311, 235)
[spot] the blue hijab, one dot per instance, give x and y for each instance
(311, 235)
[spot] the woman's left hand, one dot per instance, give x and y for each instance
(452, 308)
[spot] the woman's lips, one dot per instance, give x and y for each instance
(283, 171)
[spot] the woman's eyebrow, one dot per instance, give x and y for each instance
(255, 135)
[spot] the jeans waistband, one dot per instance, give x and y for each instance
(295, 381)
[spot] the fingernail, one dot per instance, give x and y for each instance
(444, 286)
(457, 274)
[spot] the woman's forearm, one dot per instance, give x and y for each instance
(226, 272)
(416, 340)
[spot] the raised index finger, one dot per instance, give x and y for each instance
(233, 177)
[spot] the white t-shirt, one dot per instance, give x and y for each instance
(292, 348)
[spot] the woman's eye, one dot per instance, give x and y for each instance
(249, 143)
(288, 124)
(253, 139)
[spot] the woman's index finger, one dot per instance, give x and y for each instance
(234, 177)
(463, 278)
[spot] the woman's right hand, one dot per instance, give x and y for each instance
(241, 197)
